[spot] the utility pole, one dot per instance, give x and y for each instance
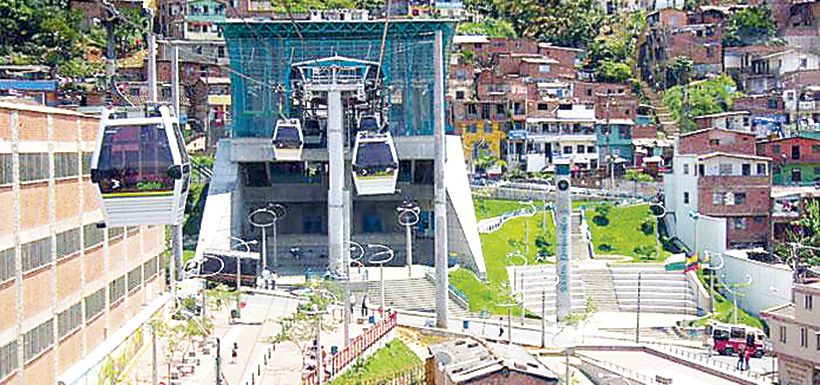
(154, 367)
(638, 314)
(441, 257)
(543, 317)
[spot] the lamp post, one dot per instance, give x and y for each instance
(384, 255)
(263, 218)
(320, 373)
(360, 249)
(527, 225)
(712, 277)
(408, 216)
(695, 216)
(658, 211)
(241, 242)
(734, 294)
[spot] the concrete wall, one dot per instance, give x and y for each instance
(771, 284)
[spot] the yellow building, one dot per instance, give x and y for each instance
(481, 134)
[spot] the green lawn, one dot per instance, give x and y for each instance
(392, 358)
(488, 208)
(496, 246)
(623, 234)
(724, 308)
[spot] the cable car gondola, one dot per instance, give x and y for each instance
(288, 140)
(375, 163)
(140, 167)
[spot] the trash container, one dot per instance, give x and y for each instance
(372, 319)
(235, 313)
(465, 325)
(333, 350)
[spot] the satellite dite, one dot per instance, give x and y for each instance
(563, 211)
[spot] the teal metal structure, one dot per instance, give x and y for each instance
(262, 52)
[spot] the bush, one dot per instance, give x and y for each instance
(602, 211)
(648, 226)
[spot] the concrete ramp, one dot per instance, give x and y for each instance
(461, 220)
(215, 230)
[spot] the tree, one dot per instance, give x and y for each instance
(489, 27)
(610, 71)
(750, 26)
(806, 232)
(706, 97)
(681, 69)
(571, 23)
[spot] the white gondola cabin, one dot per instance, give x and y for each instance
(288, 140)
(140, 167)
(375, 164)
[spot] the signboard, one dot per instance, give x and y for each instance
(517, 135)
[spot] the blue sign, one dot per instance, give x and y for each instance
(517, 134)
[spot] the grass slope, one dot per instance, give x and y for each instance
(623, 233)
(395, 356)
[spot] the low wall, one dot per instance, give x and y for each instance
(771, 284)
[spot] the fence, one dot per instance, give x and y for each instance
(356, 348)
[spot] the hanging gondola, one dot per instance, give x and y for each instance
(288, 140)
(140, 167)
(375, 163)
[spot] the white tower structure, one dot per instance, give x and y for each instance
(563, 212)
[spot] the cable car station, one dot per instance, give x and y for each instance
(341, 114)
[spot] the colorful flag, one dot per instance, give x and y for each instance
(691, 262)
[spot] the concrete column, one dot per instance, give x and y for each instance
(335, 198)
(440, 194)
(563, 212)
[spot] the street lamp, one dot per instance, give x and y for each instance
(408, 216)
(263, 218)
(320, 373)
(695, 215)
(381, 257)
(360, 249)
(658, 211)
(734, 293)
(712, 277)
(527, 225)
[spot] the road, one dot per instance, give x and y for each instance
(650, 365)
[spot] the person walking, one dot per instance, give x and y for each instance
(364, 305)
(501, 327)
(352, 303)
(234, 352)
(748, 355)
(741, 352)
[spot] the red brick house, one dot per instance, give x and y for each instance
(795, 160)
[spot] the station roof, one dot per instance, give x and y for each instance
(467, 359)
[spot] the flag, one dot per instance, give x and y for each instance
(691, 262)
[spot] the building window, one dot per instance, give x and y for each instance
(815, 148)
(7, 268)
(580, 149)
(686, 198)
(717, 198)
(35, 254)
(783, 334)
(5, 170)
(459, 95)
(795, 152)
(544, 68)
(776, 148)
(725, 169)
(38, 340)
(8, 359)
(714, 142)
(746, 169)
(92, 235)
(740, 198)
(69, 320)
(134, 279)
(87, 162)
(115, 232)
(116, 290)
(686, 169)
(797, 175)
(68, 243)
(761, 169)
(94, 304)
(149, 269)
(542, 107)
(807, 302)
(33, 167)
(66, 165)
(804, 337)
(567, 149)
(739, 223)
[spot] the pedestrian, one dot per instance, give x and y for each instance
(500, 327)
(748, 355)
(740, 353)
(352, 303)
(273, 279)
(234, 354)
(364, 305)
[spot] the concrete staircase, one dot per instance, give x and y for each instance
(580, 250)
(665, 119)
(599, 287)
(538, 281)
(415, 294)
(661, 291)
